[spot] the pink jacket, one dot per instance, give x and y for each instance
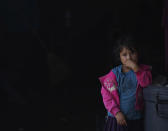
(110, 93)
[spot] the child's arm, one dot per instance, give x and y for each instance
(109, 93)
(110, 102)
(143, 73)
(144, 76)
(112, 105)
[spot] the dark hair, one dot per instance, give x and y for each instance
(126, 41)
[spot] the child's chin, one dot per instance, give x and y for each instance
(127, 67)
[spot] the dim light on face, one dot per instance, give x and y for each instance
(127, 54)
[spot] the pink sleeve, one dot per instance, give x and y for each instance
(144, 77)
(109, 93)
(110, 101)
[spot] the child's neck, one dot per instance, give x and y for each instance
(125, 69)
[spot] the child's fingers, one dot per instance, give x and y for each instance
(125, 123)
(121, 122)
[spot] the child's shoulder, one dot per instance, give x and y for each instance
(116, 69)
(112, 73)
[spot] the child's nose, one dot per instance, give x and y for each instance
(128, 57)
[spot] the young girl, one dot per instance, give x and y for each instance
(122, 89)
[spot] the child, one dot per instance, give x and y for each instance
(122, 89)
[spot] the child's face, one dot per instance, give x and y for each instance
(127, 54)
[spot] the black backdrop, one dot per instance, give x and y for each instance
(54, 52)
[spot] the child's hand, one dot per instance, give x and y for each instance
(132, 65)
(121, 119)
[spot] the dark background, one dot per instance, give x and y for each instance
(52, 53)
